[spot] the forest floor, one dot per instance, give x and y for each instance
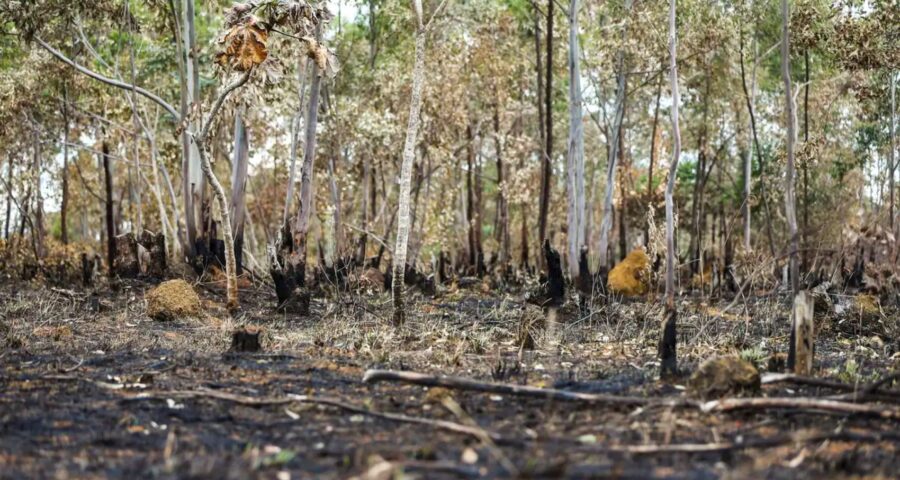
(91, 387)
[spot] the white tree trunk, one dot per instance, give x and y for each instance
(789, 207)
(575, 157)
(295, 139)
(409, 152)
(667, 343)
(613, 139)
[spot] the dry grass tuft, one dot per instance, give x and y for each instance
(173, 300)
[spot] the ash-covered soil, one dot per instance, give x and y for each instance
(90, 387)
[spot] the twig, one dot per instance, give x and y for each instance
(831, 406)
(857, 392)
(459, 383)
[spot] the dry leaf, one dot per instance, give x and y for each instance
(245, 47)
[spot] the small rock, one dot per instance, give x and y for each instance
(721, 376)
(172, 300)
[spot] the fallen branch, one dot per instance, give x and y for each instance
(856, 392)
(477, 433)
(460, 383)
(832, 406)
(722, 447)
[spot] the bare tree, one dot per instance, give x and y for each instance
(667, 345)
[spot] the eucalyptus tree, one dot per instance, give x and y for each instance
(613, 148)
(668, 342)
(575, 155)
(409, 153)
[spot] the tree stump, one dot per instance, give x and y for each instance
(246, 339)
(803, 335)
(154, 263)
(126, 263)
(90, 264)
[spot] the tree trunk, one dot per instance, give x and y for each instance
(575, 154)
(110, 222)
(239, 164)
(789, 207)
(805, 227)
(654, 139)
(9, 199)
(893, 158)
(409, 153)
(547, 156)
(750, 97)
(295, 140)
(192, 170)
(667, 344)
(300, 229)
(502, 202)
(697, 210)
(38, 226)
(64, 204)
(613, 145)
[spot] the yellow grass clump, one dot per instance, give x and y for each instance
(631, 276)
(172, 300)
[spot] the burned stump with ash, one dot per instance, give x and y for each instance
(246, 339)
(137, 256)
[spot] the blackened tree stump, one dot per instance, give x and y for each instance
(246, 339)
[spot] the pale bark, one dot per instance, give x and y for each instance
(667, 346)
(613, 139)
(575, 155)
(789, 206)
(307, 170)
(296, 121)
(239, 164)
(201, 141)
(409, 152)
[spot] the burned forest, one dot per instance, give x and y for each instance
(429, 239)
